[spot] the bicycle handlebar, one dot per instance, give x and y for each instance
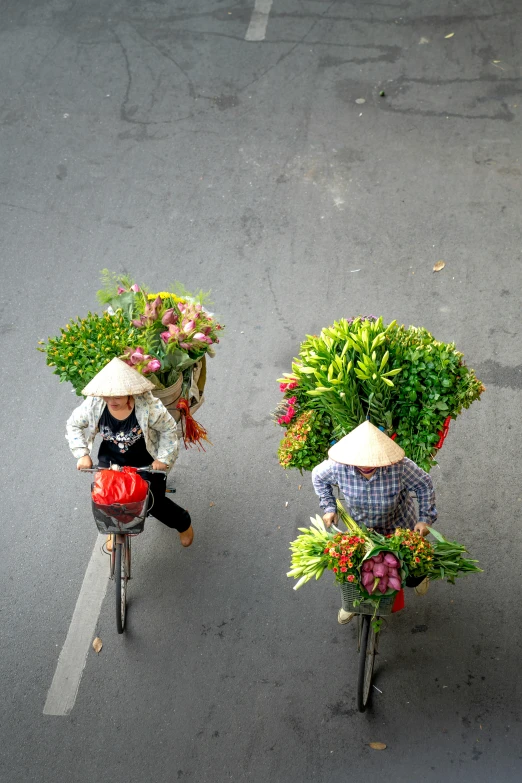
(96, 468)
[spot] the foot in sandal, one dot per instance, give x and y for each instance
(187, 537)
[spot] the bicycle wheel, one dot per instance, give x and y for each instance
(120, 580)
(367, 648)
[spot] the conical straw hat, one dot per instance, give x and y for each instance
(117, 379)
(367, 447)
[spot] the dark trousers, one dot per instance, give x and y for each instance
(162, 507)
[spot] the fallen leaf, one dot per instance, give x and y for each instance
(286, 504)
(424, 40)
(299, 487)
(360, 100)
(211, 504)
(497, 61)
(439, 265)
(449, 35)
(97, 644)
(378, 745)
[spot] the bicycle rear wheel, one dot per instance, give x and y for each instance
(367, 649)
(120, 580)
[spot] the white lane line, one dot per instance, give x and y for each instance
(71, 663)
(258, 23)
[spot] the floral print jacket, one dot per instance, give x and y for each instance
(158, 426)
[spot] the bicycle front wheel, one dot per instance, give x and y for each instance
(120, 580)
(367, 649)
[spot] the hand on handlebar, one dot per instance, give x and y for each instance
(158, 465)
(84, 463)
(329, 518)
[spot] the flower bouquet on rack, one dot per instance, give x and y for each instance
(401, 378)
(378, 566)
(165, 336)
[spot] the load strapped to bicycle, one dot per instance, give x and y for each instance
(119, 501)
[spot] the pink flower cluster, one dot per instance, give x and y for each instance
(142, 362)
(188, 328)
(288, 385)
(290, 411)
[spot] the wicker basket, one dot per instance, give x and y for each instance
(349, 594)
(171, 394)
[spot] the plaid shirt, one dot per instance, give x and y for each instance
(382, 502)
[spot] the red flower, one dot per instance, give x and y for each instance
(343, 569)
(351, 578)
(335, 569)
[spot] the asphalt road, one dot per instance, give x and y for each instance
(152, 137)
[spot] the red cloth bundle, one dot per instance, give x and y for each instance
(122, 487)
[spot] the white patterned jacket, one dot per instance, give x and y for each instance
(158, 426)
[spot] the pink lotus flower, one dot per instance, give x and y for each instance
(137, 356)
(182, 307)
(153, 366)
(169, 317)
(185, 346)
(188, 326)
(121, 290)
(135, 288)
(200, 336)
(165, 336)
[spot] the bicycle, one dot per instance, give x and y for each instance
(122, 522)
(368, 630)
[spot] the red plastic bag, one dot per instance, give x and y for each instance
(114, 486)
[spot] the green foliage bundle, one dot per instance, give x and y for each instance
(86, 345)
(401, 378)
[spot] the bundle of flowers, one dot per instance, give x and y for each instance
(161, 334)
(376, 565)
(401, 378)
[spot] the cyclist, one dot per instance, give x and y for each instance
(375, 479)
(136, 430)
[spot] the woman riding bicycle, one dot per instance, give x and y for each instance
(375, 479)
(136, 430)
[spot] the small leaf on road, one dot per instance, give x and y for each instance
(211, 504)
(360, 100)
(286, 504)
(424, 40)
(439, 265)
(378, 745)
(299, 487)
(97, 644)
(449, 35)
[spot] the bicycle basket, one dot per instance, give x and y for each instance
(350, 593)
(120, 517)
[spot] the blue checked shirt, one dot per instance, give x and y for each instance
(382, 502)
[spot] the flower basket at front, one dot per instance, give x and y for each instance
(165, 336)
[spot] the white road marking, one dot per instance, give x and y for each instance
(259, 21)
(71, 663)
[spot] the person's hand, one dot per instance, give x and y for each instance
(330, 517)
(422, 528)
(84, 463)
(157, 465)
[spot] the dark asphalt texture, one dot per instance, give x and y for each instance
(151, 137)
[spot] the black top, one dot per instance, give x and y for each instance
(123, 442)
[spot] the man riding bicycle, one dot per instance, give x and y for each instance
(375, 478)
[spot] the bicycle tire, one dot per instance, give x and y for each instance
(120, 580)
(367, 647)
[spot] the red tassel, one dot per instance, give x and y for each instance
(193, 433)
(398, 604)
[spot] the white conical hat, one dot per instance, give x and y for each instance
(367, 447)
(117, 379)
